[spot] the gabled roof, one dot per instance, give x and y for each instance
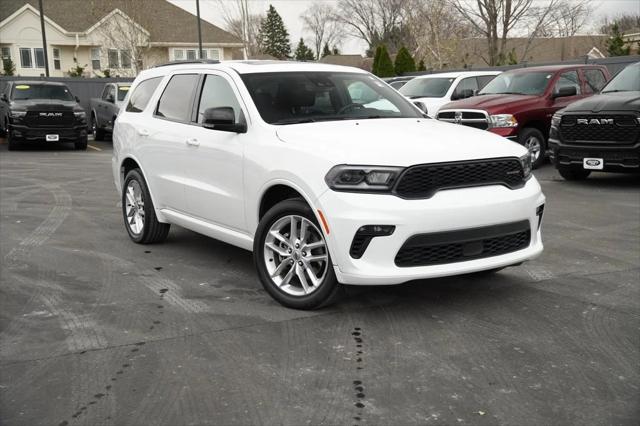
(164, 21)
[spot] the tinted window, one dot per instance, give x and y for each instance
(466, 86)
(176, 100)
(141, 95)
(483, 80)
(627, 81)
(41, 91)
(595, 80)
(293, 97)
(216, 92)
(105, 91)
(568, 79)
(122, 92)
(427, 87)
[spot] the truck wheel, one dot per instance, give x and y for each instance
(81, 144)
(11, 142)
(98, 133)
(138, 211)
(3, 128)
(292, 257)
(571, 173)
(533, 140)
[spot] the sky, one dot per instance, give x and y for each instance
(290, 10)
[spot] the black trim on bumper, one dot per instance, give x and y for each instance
(24, 133)
(616, 158)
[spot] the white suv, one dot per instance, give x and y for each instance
(325, 172)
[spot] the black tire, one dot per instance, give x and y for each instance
(573, 173)
(81, 144)
(3, 128)
(152, 230)
(530, 132)
(98, 133)
(12, 144)
(327, 292)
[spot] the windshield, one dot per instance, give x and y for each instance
(298, 97)
(427, 87)
(122, 92)
(40, 91)
(530, 83)
(628, 80)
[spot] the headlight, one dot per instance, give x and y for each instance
(17, 114)
(80, 114)
(502, 120)
(555, 120)
(525, 160)
(362, 178)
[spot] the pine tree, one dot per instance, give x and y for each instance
(615, 44)
(326, 51)
(383, 65)
(273, 36)
(376, 60)
(422, 66)
(303, 52)
(404, 62)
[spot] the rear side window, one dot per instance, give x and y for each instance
(595, 80)
(140, 97)
(177, 99)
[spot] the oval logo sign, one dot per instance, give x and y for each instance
(593, 162)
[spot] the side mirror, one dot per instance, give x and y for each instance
(77, 99)
(465, 93)
(565, 91)
(421, 106)
(110, 98)
(4, 98)
(223, 119)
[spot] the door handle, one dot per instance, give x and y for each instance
(143, 132)
(193, 142)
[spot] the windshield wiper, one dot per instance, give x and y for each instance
(295, 121)
(511, 93)
(615, 91)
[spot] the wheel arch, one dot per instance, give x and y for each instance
(129, 163)
(540, 126)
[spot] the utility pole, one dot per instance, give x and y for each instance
(199, 30)
(44, 41)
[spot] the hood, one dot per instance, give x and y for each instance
(495, 104)
(396, 141)
(45, 105)
(618, 101)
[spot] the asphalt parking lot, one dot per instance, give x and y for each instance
(96, 330)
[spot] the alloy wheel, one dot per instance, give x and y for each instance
(135, 207)
(534, 145)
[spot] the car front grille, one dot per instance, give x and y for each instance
(475, 119)
(424, 180)
(460, 246)
(606, 129)
(49, 119)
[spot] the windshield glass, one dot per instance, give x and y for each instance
(122, 92)
(530, 83)
(628, 80)
(298, 97)
(41, 91)
(427, 87)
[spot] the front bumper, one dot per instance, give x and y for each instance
(447, 210)
(617, 158)
(38, 134)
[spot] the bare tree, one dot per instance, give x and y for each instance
(567, 18)
(242, 23)
(321, 20)
(625, 22)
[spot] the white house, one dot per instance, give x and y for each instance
(122, 36)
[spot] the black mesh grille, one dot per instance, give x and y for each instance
(422, 181)
(419, 251)
(625, 129)
(478, 118)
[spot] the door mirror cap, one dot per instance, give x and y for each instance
(565, 91)
(4, 97)
(462, 94)
(223, 119)
(421, 106)
(110, 98)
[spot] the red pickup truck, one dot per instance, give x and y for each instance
(519, 104)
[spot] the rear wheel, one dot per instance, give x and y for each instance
(292, 257)
(533, 140)
(98, 133)
(571, 173)
(81, 144)
(138, 211)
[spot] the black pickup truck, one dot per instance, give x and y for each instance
(41, 111)
(600, 133)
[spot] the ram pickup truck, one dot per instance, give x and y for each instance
(41, 111)
(601, 133)
(519, 104)
(104, 109)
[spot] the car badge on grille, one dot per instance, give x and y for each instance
(458, 117)
(601, 121)
(50, 114)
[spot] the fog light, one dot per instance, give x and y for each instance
(365, 234)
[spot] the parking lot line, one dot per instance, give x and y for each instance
(94, 147)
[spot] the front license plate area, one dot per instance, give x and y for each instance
(53, 138)
(593, 163)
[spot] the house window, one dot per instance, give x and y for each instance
(215, 54)
(56, 58)
(191, 54)
(125, 58)
(25, 58)
(178, 54)
(95, 58)
(113, 58)
(6, 55)
(39, 55)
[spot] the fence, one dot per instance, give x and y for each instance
(83, 88)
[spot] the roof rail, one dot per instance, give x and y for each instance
(195, 61)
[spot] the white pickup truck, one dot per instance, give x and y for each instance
(104, 109)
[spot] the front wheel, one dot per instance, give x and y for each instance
(292, 257)
(533, 140)
(138, 211)
(571, 173)
(81, 144)
(98, 133)
(11, 141)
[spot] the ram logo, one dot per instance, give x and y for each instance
(458, 117)
(601, 121)
(50, 114)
